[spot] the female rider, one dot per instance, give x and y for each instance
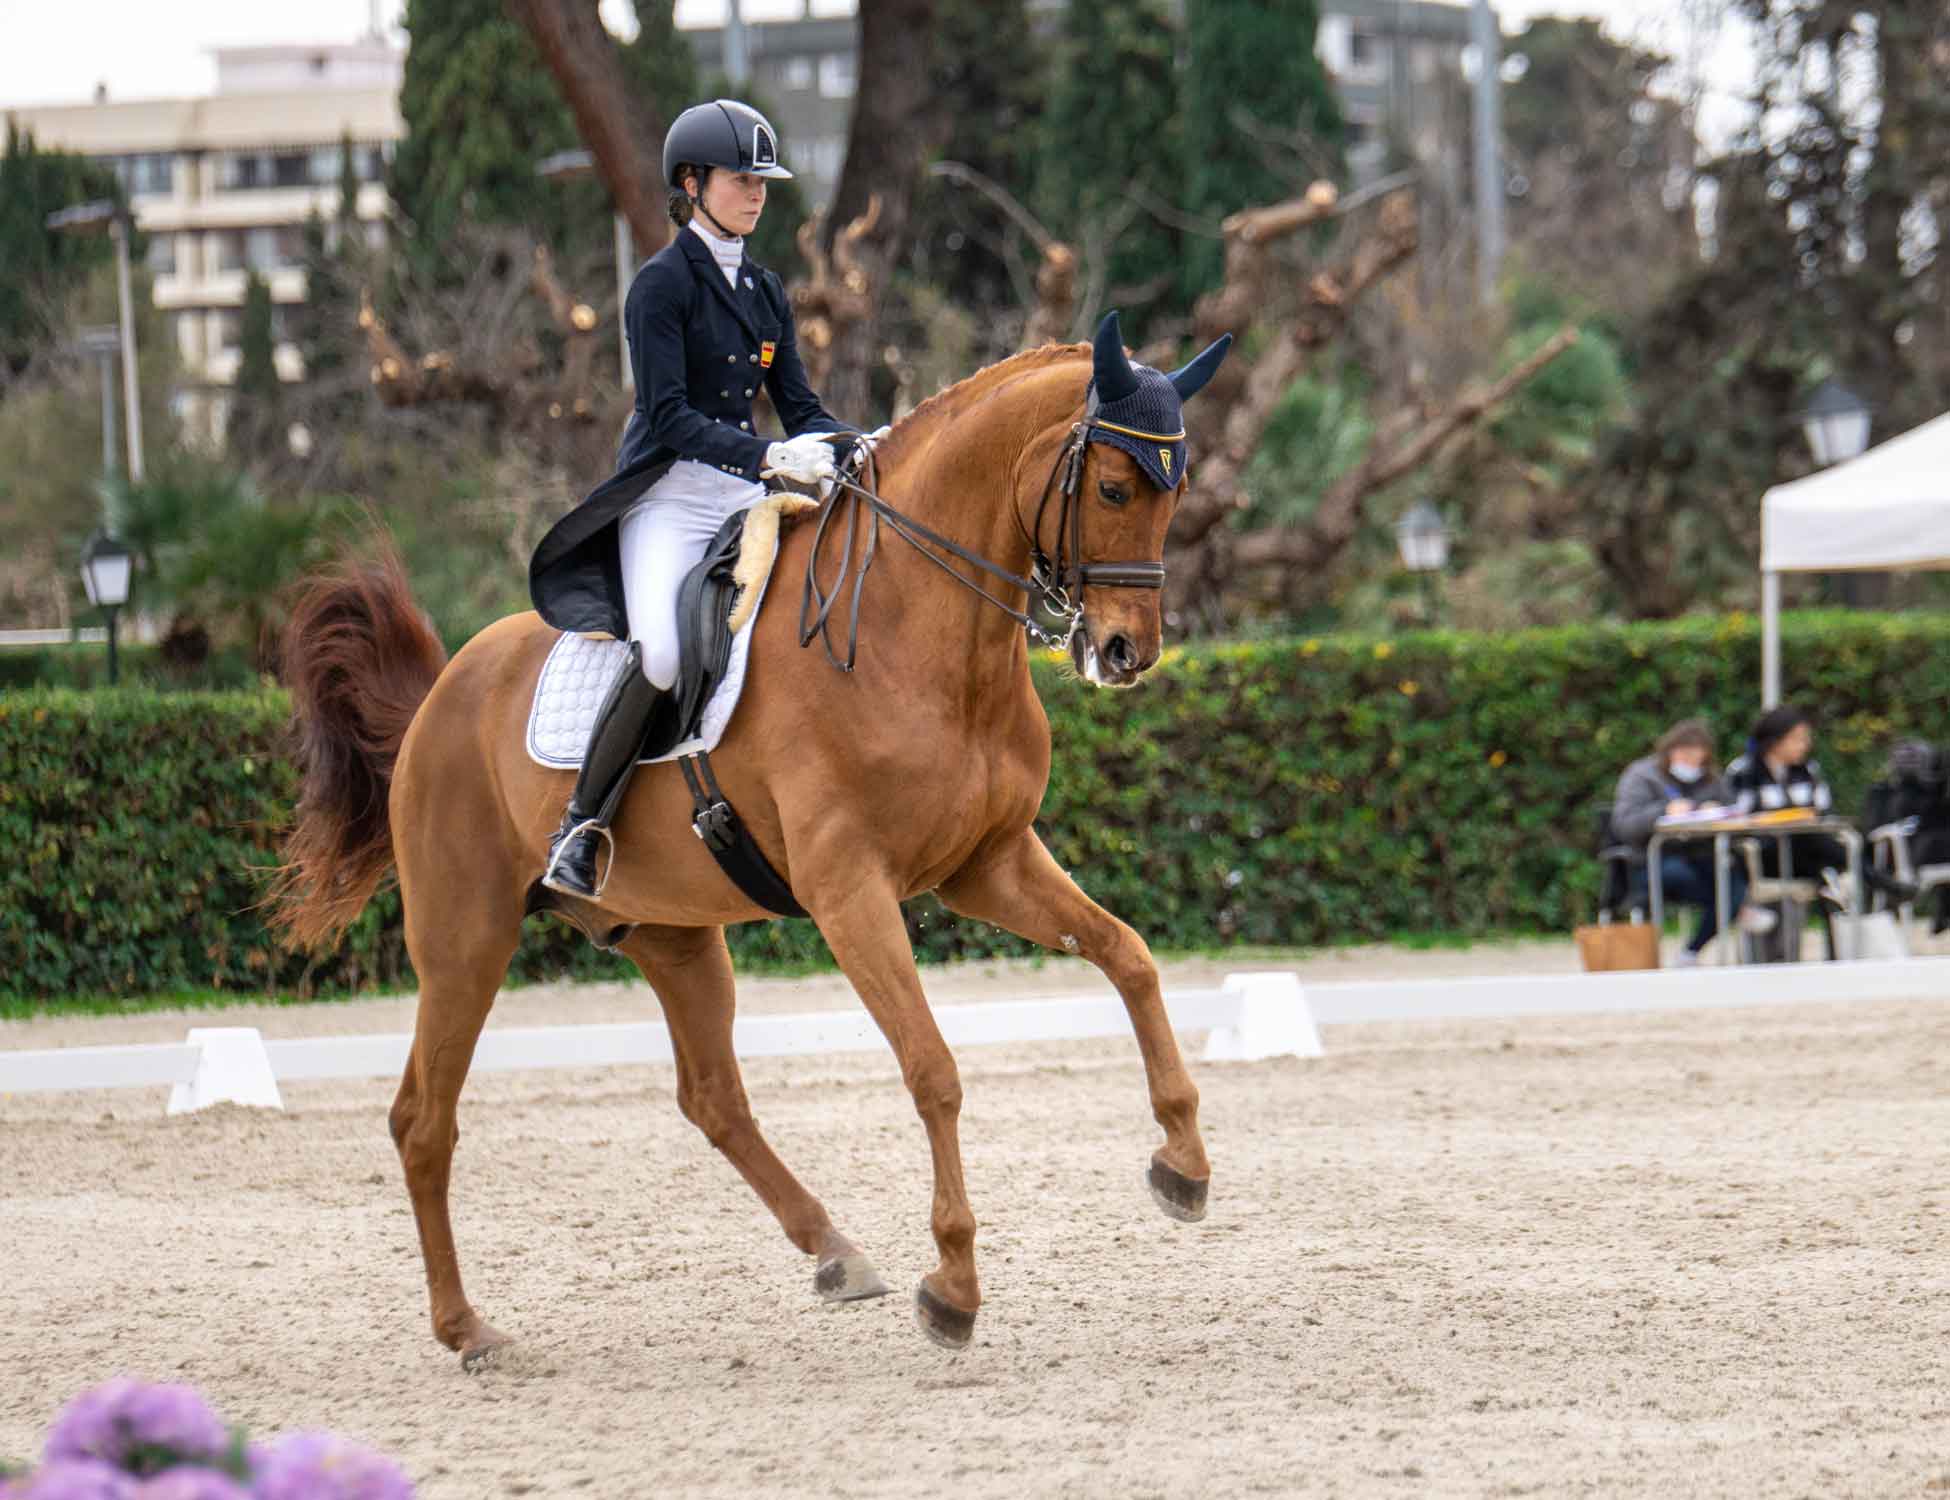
(706, 326)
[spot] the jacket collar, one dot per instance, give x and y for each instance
(706, 268)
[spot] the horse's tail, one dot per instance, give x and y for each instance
(359, 657)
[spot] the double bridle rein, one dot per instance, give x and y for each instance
(1058, 581)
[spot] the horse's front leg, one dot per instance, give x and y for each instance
(1021, 888)
(861, 922)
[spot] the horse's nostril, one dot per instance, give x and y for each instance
(1121, 654)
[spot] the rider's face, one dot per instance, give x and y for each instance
(735, 199)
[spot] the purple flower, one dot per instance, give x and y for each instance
(138, 1427)
(190, 1484)
(325, 1466)
(73, 1479)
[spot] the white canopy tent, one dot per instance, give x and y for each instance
(1888, 509)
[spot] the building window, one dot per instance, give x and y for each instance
(161, 258)
(836, 75)
(226, 330)
(796, 73)
(1366, 52)
(825, 156)
(145, 173)
(228, 251)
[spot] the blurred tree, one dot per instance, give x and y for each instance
(480, 111)
(1261, 119)
(1824, 261)
(256, 404)
(39, 267)
(1112, 150)
(1600, 166)
(989, 74)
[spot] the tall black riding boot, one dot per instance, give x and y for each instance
(614, 745)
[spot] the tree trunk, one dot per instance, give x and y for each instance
(897, 124)
(623, 129)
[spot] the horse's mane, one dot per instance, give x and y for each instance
(985, 381)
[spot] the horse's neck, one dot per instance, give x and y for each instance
(973, 475)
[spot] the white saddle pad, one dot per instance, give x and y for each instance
(577, 676)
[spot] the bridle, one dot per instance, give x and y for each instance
(1058, 581)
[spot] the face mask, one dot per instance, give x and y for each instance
(1686, 775)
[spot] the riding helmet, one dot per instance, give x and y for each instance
(723, 133)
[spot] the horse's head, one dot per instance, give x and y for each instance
(1128, 479)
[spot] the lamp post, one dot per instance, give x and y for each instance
(1423, 538)
(106, 216)
(103, 342)
(1836, 423)
(105, 566)
(570, 166)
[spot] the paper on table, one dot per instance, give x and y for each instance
(1697, 815)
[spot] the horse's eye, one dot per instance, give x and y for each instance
(1113, 494)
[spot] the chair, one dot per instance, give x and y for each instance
(1792, 897)
(1625, 887)
(1890, 850)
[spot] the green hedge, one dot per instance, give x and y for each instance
(1290, 792)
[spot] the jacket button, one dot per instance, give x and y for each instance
(722, 395)
(731, 359)
(751, 358)
(746, 425)
(748, 390)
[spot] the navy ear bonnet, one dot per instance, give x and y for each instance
(1142, 410)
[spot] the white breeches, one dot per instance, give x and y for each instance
(660, 541)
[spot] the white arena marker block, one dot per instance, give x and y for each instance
(234, 1069)
(1274, 1020)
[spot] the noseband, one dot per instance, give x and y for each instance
(1058, 581)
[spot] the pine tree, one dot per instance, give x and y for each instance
(257, 395)
(986, 72)
(481, 111)
(1261, 118)
(1111, 130)
(42, 265)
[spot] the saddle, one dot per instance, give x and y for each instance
(715, 602)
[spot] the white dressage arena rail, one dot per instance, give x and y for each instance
(1249, 1018)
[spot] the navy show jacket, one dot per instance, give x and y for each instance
(699, 349)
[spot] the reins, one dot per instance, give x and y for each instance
(1058, 581)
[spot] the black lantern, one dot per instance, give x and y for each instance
(105, 566)
(1836, 421)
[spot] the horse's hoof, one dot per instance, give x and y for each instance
(1181, 1197)
(948, 1326)
(848, 1278)
(479, 1352)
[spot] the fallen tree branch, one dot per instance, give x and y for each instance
(1338, 518)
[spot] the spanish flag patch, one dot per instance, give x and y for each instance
(765, 352)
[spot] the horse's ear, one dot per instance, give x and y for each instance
(1114, 378)
(1190, 380)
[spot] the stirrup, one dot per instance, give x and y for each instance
(587, 825)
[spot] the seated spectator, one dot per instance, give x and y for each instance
(1678, 777)
(1915, 786)
(1779, 772)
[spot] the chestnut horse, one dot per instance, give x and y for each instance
(920, 770)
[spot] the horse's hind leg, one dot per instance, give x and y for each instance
(1024, 890)
(460, 933)
(690, 970)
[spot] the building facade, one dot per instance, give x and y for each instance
(223, 186)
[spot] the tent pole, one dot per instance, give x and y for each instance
(1770, 639)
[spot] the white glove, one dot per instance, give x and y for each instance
(862, 446)
(806, 459)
